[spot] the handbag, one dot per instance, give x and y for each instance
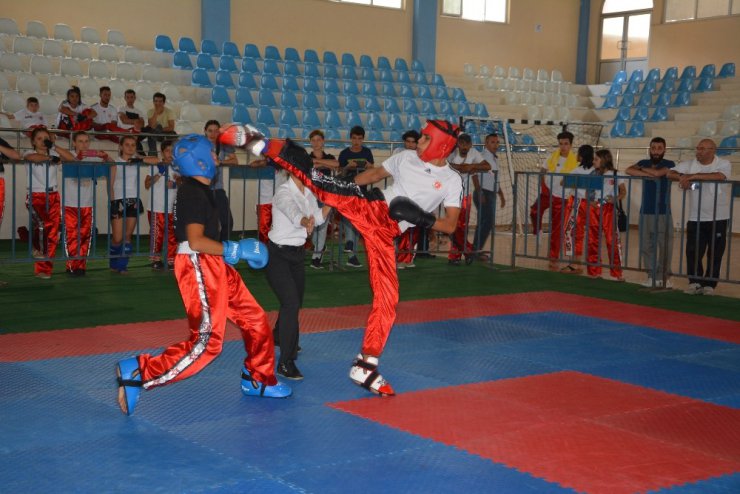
(621, 218)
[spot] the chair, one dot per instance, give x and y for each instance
(251, 51)
(246, 80)
(63, 32)
(200, 78)
(367, 74)
(650, 87)
(417, 66)
(366, 62)
(220, 96)
(70, 67)
(660, 114)
(732, 112)
(310, 119)
(171, 91)
(685, 85)
(424, 92)
(633, 87)
(348, 60)
(671, 73)
(705, 84)
(290, 83)
(619, 78)
(24, 45)
(265, 116)
(646, 99)
(653, 75)
(728, 142)
(292, 55)
(264, 129)
(642, 113)
(36, 29)
(426, 107)
(637, 129)
(223, 78)
(227, 62)
(311, 85)
(286, 133)
(377, 136)
(9, 26)
(331, 72)
(372, 104)
(400, 65)
(80, 51)
(409, 106)
(619, 129)
(270, 66)
(272, 53)
(41, 65)
(390, 105)
(268, 81)
(243, 96)
(351, 103)
(458, 94)
(28, 83)
(52, 48)
(413, 122)
(533, 113)
(689, 72)
(384, 63)
(205, 61)
(265, 97)
(709, 70)
(614, 90)
(240, 114)
(348, 73)
(387, 89)
(10, 62)
(333, 120)
(88, 85)
(438, 80)
(115, 37)
(288, 118)
(288, 99)
(663, 99)
(330, 58)
(419, 78)
(405, 91)
(528, 74)
(331, 102)
(529, 99)
(331, 86)
(290, 68)
(12, 102)
(350, 87)
(133, 55)
(610, 101)
(727, 70)
(310, 56)
(636, 76)
(731, 128)
(163, 43)
(445, 107)
(682, 99)
(98, 69)
(368, 89)
(708, 129)
(311, 70)
(354, 119)
(250, 65)
(229, 48)
(127, 71)
(108, 53)
(187, 45)
(403, 78)
(627, 100)
(311, 101)
(622, 114)
(209, 46)
(481, 110)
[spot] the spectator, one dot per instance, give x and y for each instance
(466, 160)
(106, 116)
(160, 121)
(43, 197)
(130, 117)
(576, 211)
(78, 207)
(709, 212)
(410, 140)
(656, 221)
(226, 156)
(29, 117)
(73, 114)
(353, 160)
(486, 187)
(325, 163)
(163, 186)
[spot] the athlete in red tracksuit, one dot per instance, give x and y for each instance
(602, 219)
(422, 180)
(160, 213)
(212, 291)
(575, 221)
(78, 207)
(6, 152)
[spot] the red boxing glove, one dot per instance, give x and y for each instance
(233, 135)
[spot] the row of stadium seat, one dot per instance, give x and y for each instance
(671, 81)
(514, 73)
(61, 31)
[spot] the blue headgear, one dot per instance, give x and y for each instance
(192, 157)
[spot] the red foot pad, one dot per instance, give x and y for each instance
(583, 432)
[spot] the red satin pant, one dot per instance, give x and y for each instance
(77, 236)
(156, 236)
(264, 221)
(46, 206)
(460, 241)
(602, 221)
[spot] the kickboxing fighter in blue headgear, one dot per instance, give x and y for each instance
(211, 289)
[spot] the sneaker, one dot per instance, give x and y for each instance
(354, 262)
(707, 290)
(349, 247)
(289, 371)
(316, 263)
(158, 265)
(43, 276)
(37, 254)
(694, 289)
(648, 283)
(409, 265)
(400, 266)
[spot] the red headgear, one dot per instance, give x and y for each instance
(443, 136)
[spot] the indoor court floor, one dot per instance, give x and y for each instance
(531, 392)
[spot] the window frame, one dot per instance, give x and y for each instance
(507, 13)
(371, 4)
(695, 17)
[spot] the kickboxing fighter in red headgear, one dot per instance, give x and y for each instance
(212, 291)
(422, 180)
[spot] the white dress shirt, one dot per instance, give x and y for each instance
(289, 207)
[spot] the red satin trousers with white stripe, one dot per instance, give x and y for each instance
(77, 236)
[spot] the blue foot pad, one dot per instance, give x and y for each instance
(131, 384)
(252, 387)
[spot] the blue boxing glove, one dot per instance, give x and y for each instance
(254, 252)
(231, 252)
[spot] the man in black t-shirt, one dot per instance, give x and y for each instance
(212, 291)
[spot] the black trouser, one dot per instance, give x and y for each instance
(224, 214)
(285, 274)
(702, 237)
(152, 141)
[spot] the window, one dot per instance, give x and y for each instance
(477, 10)
(686, 10)
(613, 6)
(393, 4)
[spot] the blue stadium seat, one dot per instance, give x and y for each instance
(481, 110)
(209, 46)
(311, 85)
(292, 55)
(403, 77)
(311, 70)
(660, 114)
(709, 70)
(204, 61)
(220, 96)
(387, 89)
(689, 72)
(438, 80)
(445, 106)
(163, 43)
(368, 89)
(377, 135)
(223, 78)
(649, 88)
(441, 93)
(251, 51)
(637, 129)
(635, 76)
(409, 105)
(246, 80)
(288, 118)
(663, 99)
(391, 105)
(463, 109)
(311, 102)
(685, 85)
(265, 97)
(290, 83)
(331, 86)
(333, 135)
(272, 53)
(250, 65)
(395, 122)
(727, 70)
(384, 63)
(372, 104)
(413, 122)
(351, 103)
(348, 73)
(290, 67)
(682, 99)
(401, 65)
(240, 114)
(331, 72)
(622, 114)
(244, 97)
(265, 116)
(200, 78)
(419, 78)
(619, 129)
(705, 84)
(423, 92)
(366, 61)
(264, 129)
(268, 81)
(653, 75)
(668, 86)
(288, 99)
(310, 56)
(646, 99)
(181, 60)
(333, 120)
(310, 119)
(670, 73)
(331, 102)
(348, 60)
(350, 87)
(619, 78)
(642, 113)
(406, 91)
(728, 142)
(367, 74)
(458, 94)
(354, 119)
(286, 133)
(385, 75)
(227, 62)
(614, 90)
(633, 87)
(426, 107)
(187, 45)
(270, 66)
(417, 66)
(610, 101)
(627, 100)
(374, 121)
(230, 48)
(330, 58)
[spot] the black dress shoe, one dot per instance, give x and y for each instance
(289, 371)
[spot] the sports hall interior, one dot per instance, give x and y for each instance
(510, 377)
